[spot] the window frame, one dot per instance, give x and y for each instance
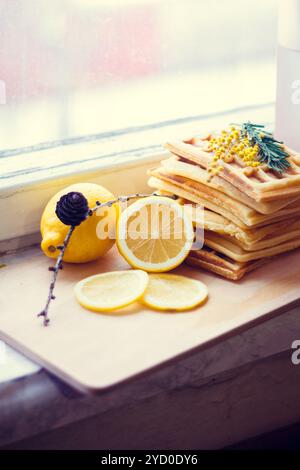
(119, 160)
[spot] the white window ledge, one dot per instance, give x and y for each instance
(119, 160)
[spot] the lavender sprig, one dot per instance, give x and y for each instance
(58, 265)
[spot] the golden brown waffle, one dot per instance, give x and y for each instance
(217, 263)
(219, 224)
(271, 240)
(262, 185)
(179, 167)
(234, 251)
(165, 185)
(180, 200)
(233, 210)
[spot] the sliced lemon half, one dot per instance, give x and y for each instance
(155, 234)
(110, 291)
(173, 292)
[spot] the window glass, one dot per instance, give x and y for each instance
(75, 67)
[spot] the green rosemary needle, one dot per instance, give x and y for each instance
(271, 151)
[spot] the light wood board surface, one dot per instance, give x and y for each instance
(93, 351)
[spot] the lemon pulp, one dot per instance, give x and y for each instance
(174, 292)
(111, 290)
(154, 234)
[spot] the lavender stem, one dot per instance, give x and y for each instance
(57, 267)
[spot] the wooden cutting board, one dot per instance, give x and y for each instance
(92, 351)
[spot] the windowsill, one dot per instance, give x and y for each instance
(30, 176)
(226, 389)
(246, 364)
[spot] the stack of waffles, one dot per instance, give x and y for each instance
(250, 214)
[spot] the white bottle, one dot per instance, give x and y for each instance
(287, 127)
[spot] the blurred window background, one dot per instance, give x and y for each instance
(76, 67)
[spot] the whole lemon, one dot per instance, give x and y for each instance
(92, 238)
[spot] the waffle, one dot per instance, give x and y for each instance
(216, 223)
(268, 241)
(180, 167)
(161, 192)
(220, 264)
(249, 216)
(233, 210)
(261, 186)
(234, 251)
(165, 185)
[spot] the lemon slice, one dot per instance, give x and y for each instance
(155, 234)
(112, 290)
(172, 292)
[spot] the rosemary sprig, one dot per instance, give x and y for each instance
(59, 263)
(271, 151)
